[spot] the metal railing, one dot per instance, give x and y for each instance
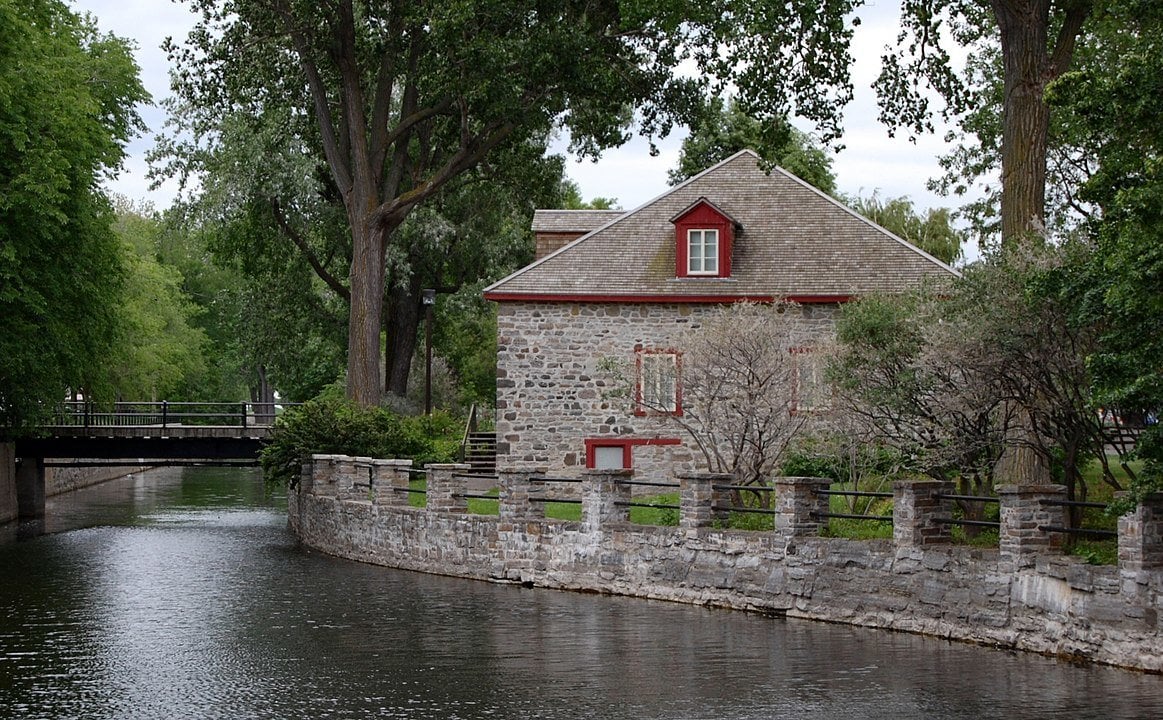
(1090, 532)
(88, 414)
(743, 508)
(828, 515)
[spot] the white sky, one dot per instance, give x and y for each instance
(872, 161)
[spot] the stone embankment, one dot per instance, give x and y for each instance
(1023, 595)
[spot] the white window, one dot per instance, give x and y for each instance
(812, 391)
(658, 382)
(609, 457)
(702, 252)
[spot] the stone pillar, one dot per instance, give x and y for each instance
(30, 488)
(325, 472)
(1141, 535)
(601, 493)
(1022, 514)
(698, 499)
(916, 512)
(390, 480)
(517, 489)
(797, 505)
(447, 484)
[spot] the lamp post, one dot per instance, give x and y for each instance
(428, 298)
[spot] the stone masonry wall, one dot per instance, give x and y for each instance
(551, 395)
(1054, 604)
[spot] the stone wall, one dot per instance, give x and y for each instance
(1011, 597)
(552, 396)
(59, 480)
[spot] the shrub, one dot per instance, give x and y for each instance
(332, 425)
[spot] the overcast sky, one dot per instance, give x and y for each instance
(871, 161)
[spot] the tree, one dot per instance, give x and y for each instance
(739, 388)
(1112, 105)
(157, 347)
(943, 375)
(402, 99)
(1036, 40)
(907, 371)
(723, 129)
(67, 95)
(932, 232)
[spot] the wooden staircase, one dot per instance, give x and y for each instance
(478, 449)
(480, 453)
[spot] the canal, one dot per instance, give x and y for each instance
(181, 594)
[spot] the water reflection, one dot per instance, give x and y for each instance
(181, 594)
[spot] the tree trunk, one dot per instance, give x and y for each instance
(1029, 65)
(1024, 25)
(401, 325)
(367, 300)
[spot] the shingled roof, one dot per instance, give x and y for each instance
(794, 242)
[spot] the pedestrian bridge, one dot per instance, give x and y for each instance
(87, 434)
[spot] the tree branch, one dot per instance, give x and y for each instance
(300, 242)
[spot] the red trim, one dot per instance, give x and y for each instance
(701, 299)
(627, 445)
(703, 216)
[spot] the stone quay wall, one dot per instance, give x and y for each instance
(1023, 595)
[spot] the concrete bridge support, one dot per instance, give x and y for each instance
(9, 507)
(30, 490)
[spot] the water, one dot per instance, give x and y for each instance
(180, 594)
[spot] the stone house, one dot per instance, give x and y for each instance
(626, 285)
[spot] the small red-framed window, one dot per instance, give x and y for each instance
(658, 383)
(618, 453)
(703, 235)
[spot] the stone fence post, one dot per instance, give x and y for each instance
(325, 470)
(1141, 535)
(390, 482)
(698, 499)
(1023, 512)
(917, 513)
(447, 485)
(798, 506)
(517, 490)
(603, 497)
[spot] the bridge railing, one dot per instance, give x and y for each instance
(89, 414)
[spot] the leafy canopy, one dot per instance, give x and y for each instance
(67, 97)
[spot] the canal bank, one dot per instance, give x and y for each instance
(1024, 595)
(181, 593)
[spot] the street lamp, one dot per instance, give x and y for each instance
(428, 299)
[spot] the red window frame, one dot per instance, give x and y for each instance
(627, 444)
(703, 216)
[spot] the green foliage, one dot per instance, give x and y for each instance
(440, 92)
(723, 129)
(571, 199)
(332, 425)
(159, 347)
(67, 97)
(932, 232)
(1112, 103)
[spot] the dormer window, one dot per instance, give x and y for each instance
(702, 252)
(703, 237)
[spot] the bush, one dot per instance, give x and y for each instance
(332, 425)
